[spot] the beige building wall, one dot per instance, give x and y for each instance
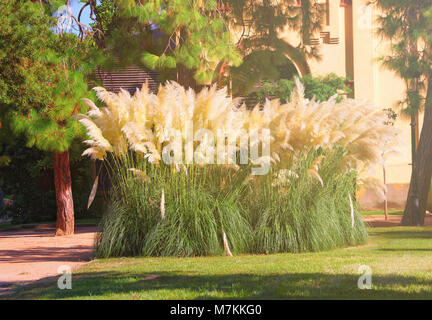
(371, 82)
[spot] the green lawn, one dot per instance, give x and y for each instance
(381, 212)
(400, 259)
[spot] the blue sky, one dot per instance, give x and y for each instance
(76, 6)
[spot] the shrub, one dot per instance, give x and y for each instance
(322, 88)
(28, 177)
(23, 178)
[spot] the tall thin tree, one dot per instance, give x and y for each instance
(408, 25)
(42, 82)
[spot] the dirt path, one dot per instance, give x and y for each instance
(378, 221)
(32, 254)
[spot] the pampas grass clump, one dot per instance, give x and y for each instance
(299, 213)
(154, 212)
(320, 152)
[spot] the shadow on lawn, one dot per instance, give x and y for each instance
(233, 286)
(406, 249)
(40, 232)
(403, 234)
(45, 254)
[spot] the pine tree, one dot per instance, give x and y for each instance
(42, 82)
(408, 24)
(192, 40)
(203, 41)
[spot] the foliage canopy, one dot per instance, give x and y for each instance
(43, 75)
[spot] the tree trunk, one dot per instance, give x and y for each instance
(185, 77)
(221, 72)
(415, 209)
(63, 187)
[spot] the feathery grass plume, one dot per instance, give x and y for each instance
(141, 122)
(140, 174)
(352, 210)
(177, 108)
(313, 170)
(162, 205)
(226, 246)
(357, 126)
(95, 153)
(122, 124)
(303, 125)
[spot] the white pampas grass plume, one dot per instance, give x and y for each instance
(313, 171)
(95, 153)
(137, 123)
(96, 134)
(93, 192)
(226, 246)
(162, 205)
(315, 174)
(352, 210)
(94, 110)
(140, 174)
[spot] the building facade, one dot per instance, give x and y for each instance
(350, 47)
